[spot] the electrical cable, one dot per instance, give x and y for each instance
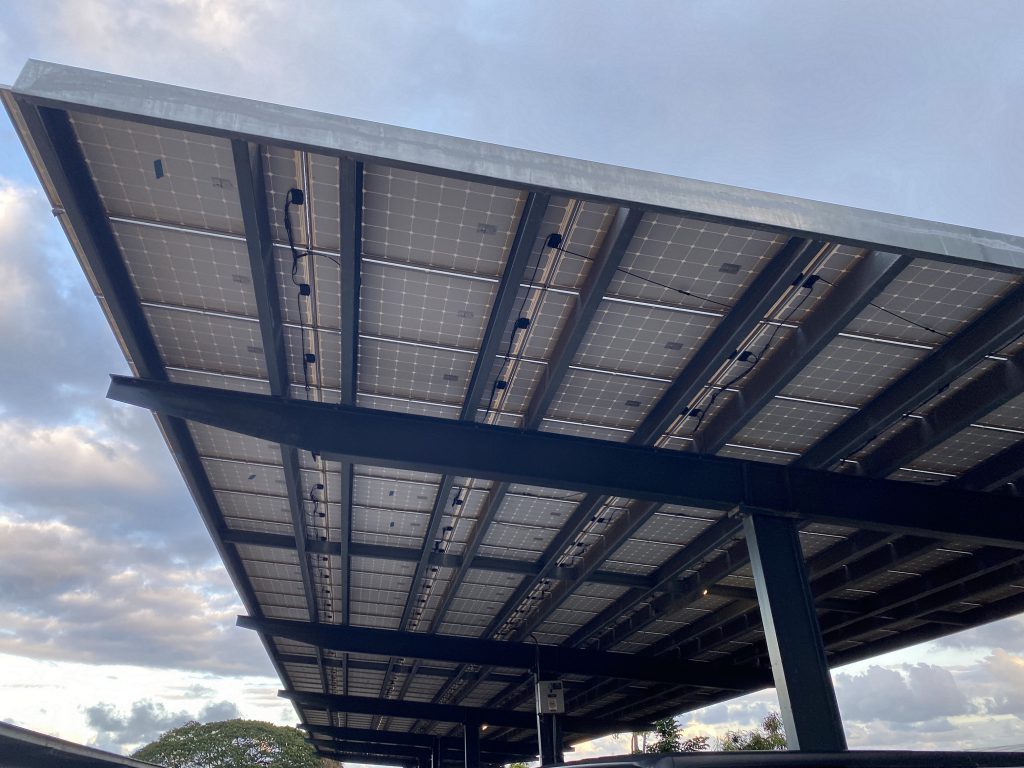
(807, 283)
(898, 316)
(517, 326)
(296, 196)
(646, 279)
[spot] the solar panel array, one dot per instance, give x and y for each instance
(433, 252)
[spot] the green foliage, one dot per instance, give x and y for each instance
(230, 744)
(666, 738)
(770, 736)
(517, 765)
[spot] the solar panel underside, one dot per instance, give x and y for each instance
(467, 557)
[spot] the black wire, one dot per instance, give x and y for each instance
(512, 336)
(757, 357)
(298, 297)
(898, 316)
(302, 331)
(651, 280)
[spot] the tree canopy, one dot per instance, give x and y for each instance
(666, 738)
(230, 744)
(770, 736)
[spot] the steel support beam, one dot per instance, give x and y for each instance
(712, 538)
(802, 680)
(994, 387)
(995, 473)
(54, 140)
(435, 753)
(437, 559)
(466, 650)
(502, 308)
(770, 284)
(471, 744)
(252, 196)
(766, 289)
(350, 221)
(421, 740)
(450, 713)
(866, 279)
(613, 469)
(498, 322)
(549, 739)
(599, 277)
(216, 114)
(993, 330)
(382, 666)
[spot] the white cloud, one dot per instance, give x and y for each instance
(913, 694)
(68, 457)
(147, 721)
(68, 595)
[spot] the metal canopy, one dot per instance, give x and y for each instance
(439, 449)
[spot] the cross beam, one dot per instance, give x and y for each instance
(451, 713)
(422, 740)
(562, 461)
(468, 650)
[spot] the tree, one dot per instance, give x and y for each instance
(231, 744)
(666, 738)
(770, 736)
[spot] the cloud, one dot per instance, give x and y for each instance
(912, 694)
(70, 596)
(1007, 634)
(147, 721)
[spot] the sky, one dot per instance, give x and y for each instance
(116, 616)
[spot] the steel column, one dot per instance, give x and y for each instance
(549, 739)
(471, 743)
(802, 679)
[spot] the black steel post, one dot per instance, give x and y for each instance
(471, 743)
(802, 680)
(435, 753)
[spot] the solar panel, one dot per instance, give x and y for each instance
(452, 257)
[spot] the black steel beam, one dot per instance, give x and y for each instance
(437, 559)
(861, 556)
(575, 463)
(995, 473)
(767, 287)
(422, 740)
(712, 538)
(599, 277)
(988, 333)
(625, 525)
(984, 570)
(503, 306)
(60, 153)
(382, 666)
(994, 387)
(350, 220)
(866, 279)
(252, 196)
(498, 321)
(449, 713)
(799, 667)
(465, 650)
(355, 751)
(367, 759)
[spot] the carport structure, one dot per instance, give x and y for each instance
(461, 417)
